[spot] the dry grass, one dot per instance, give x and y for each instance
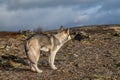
(95, 57)
(116, 28)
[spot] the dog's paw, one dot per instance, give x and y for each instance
(33, 69)
(39, 71)
(54, 68)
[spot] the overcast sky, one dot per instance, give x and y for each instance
(50, 14)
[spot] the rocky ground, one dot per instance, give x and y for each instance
(93, 54)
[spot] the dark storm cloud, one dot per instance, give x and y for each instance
(50, 14)
(27, 4)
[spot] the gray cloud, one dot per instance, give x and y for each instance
(110, 5)
(27, 4)
(50, 14)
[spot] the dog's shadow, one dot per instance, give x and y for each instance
(12, 63)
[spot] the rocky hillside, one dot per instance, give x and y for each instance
(92, 54)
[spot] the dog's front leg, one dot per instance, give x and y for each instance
(52, 59)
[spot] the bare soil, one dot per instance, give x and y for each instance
(92, 55)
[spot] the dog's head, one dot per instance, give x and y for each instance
(64, 35)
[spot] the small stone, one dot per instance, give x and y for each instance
(118, 64)
(75, 55)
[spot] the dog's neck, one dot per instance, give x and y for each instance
(59, 37)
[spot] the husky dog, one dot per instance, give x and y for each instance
(47, 43)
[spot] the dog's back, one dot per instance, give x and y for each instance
(41, 40)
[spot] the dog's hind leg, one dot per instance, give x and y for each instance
(36, 64)
(34, 57)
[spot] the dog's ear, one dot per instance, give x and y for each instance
(61, 28)
(67, 31)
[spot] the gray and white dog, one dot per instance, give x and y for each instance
(46, 43)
